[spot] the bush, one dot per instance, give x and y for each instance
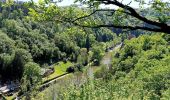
(101, 73)
(79, 67)
(70, 69)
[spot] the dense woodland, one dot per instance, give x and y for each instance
(24, 40)
(35, 36)
(140, 70)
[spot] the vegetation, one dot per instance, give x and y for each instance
(28, 45)
(59, 69)
(31, 77)
(137, 73)
(26, 40)
(137, 19)
(36, 36)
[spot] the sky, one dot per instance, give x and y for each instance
(69, 2)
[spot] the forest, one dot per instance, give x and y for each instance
(84, 53)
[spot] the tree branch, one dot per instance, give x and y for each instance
(160, 27)
(122, 27)
(134, 13)
(113, 10)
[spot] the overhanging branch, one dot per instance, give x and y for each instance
(98, 10)
(121, 27)
(134, 13)
(160, 27)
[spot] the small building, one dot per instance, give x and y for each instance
(47, 72)
(9, 88)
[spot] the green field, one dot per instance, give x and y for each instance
(60, 69)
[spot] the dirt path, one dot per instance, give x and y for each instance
(44, 85)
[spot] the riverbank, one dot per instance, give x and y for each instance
(56, 77)
(78, 77)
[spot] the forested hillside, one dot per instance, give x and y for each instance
(24, 40)
(140, 70)
(85, 52)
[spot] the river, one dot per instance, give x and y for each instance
(78, 77)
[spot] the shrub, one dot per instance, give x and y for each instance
(70, 69)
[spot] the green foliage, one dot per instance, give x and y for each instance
(158, 11)
(140, 72)
(98, 52)
(7, 53)
(26, 35)
(83, 57)
(59, 69)
(31, 77)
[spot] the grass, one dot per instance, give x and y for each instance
(59, 69)
(60, 82)
(11, 97)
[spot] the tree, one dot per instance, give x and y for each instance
(24, 39)
(7, 54)
(21, 58)
(158, 23)
(31, 77)
(83, 57)
(137, 18)
(98, 53)
(142, 75)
